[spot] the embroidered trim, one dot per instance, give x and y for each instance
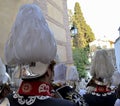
(103, 94)
(35, 88)
(29, 100)
(26, 87)
(43, 97)
(43, 88)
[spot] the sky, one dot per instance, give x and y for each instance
(103, 16)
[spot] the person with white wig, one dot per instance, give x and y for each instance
(116, 86)
(60, 71)
(116, 79)
(117, 102)
(63, 89)
(4, 85)
(101, 71)
(32, 43)
(59, 79)
(73, 77)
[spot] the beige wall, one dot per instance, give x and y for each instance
(59, 3)
(55, 12)
(52, 11)
(59, 32)
(8, 11)
(58, 20)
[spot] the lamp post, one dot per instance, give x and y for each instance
(73, 31)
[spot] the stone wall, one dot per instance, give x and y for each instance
(8, 11)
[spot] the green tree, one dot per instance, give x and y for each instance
(81, 40)
(80, 60)
(85, 34)
(78, 21)
(89, 35)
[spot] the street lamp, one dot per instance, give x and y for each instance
(73, 31)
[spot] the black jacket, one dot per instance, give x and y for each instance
(68, 93)
(17, 100)
(97, 99)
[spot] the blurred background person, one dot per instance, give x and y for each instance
(73, 78)
(99, 92)
(115, 79)
(4, 85)
(63, 88)
(117, 102)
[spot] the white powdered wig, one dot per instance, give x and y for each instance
(60, 73)
(4, 77)
(73, 74)
(31, 39)
(2, 68)
(116, 78)
(102, 66)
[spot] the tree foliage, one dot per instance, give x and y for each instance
(85, 34)
(80, 60)
(81, 40)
